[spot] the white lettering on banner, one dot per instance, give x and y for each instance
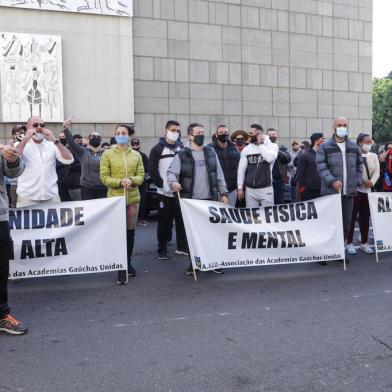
(68, 238)
(220, 236)
(381, 212)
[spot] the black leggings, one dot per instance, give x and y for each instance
(5, 253)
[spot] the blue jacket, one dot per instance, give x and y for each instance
(329, 162)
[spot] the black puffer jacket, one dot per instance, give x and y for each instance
(279, 171)
(229, 159)
(307, 175)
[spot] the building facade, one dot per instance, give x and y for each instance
(289, 64)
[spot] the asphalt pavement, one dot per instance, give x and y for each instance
(300, 327)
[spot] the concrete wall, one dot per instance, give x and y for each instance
(97, 64)
(290, 64)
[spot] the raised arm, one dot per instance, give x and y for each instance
(269, 150)
(27, 137)
(73, 146)
(11, 161)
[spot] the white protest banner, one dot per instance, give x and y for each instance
(220, 236)
(70, 238)
(381, 212)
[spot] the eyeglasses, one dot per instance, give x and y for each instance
(237, 139)
(37, 125)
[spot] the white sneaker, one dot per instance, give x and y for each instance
(351, 249)
(181, 252)
(366, 248)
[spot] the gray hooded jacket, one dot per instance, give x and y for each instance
(10, 170)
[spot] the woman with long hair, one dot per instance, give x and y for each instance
(122, 173)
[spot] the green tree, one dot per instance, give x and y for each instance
(382, 109)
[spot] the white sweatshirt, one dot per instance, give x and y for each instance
(256, 163)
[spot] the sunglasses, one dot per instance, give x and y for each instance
(135, 144)
(239, 138)
(36, 125)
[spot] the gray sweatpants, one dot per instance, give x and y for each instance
(259, 197)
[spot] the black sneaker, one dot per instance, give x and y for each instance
(10, 325)
(162, 255)
(131, 271)
(218, 271)
(181, 252)
(122, 277)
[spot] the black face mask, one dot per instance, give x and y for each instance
(223, 138)
(273, 139)
(240, 142)
(95, 141)
(198, 140)
(63, 141)
(253, 139)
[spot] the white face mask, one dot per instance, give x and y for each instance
(38, 136)
(173, 136)
(341, 132)
(366, 147)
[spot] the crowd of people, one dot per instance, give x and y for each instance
(243, 169)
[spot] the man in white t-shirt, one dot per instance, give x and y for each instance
(40, 150)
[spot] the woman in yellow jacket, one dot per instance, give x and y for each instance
(122, 173)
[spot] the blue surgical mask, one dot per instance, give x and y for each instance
(122, 139)
(341, 132)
